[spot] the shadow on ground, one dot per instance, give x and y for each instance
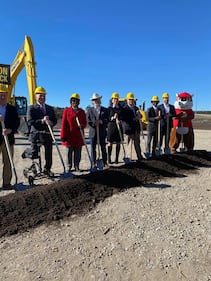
(23, 210)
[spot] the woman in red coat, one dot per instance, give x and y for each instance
(70, 132)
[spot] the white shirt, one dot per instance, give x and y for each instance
(167, 108)
(3, 110)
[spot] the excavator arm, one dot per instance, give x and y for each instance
(24, 58)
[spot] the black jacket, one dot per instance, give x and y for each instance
(130, 120)
(11, 121)
(39, 131)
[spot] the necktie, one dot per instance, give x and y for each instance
(43, 109)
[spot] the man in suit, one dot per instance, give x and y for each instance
(153, 117)
(39, 117)
(10, 121)
(167, 114)
(97, 118)
(131, 125)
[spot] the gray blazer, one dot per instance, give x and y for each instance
(91, 119)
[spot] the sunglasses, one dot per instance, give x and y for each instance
(74, 100)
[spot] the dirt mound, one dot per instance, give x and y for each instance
(23, 210)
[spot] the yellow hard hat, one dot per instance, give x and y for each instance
(165, 95)
(130, 96)
(3, 88)
(115, 95)
(40, 90)
(155, 98)
(75, 96)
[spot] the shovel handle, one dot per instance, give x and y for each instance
(57, 147)
(121, 137)
(9, 152)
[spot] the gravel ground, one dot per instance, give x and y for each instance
(154, 230)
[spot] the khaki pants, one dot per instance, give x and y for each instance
(7, 170)
(129, 142)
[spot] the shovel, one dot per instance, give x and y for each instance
(182, 131)
(146, 154)
(158, 148)
(99, 161)
(125, 159)
(16, 185)
(82, 135)
(167, 149)
(64, 175)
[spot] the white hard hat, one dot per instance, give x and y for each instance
(95, 96)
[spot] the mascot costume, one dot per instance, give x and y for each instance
(182, 131)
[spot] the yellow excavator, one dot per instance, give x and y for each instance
(24, 58)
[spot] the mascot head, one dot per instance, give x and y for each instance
(183, 101)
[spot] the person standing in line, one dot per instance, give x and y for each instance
(70, 133)
(39, 116)
(167, 114)
(115, 115)
(131, 125)
(8, 117)
(153, 117)
(97, 115)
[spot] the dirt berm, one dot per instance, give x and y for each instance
(27, 209)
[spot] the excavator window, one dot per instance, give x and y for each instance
(21, 105)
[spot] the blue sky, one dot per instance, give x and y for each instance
(85, 46)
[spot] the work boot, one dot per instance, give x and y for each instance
(109, 154)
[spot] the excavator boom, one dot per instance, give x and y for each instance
(24, 58)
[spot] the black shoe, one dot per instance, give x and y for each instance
(77, 169)
(7, 187)
(48, 173)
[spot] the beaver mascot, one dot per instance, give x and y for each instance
(182, 131)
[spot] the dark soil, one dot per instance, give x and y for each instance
(23, 210)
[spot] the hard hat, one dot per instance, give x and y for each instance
(40, 90)
(130, 96)
(165, 95)
(75, 96)
(96, 96)
(115, 95)
(155, 98)
(3, 88)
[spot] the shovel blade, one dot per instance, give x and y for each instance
(20, 187)
(66, 175)
(147, 155)
(93, 169)
(126, 160)
(100, 164)
(168, 151)
(158, 152)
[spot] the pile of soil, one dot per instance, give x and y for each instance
(27, 209)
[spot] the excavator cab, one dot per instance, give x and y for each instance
(21, 105)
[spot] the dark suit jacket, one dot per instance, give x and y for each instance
(38, 130)
(91, 119)
(11, 121)
(163, 115)
(130, 124)
(152, 122)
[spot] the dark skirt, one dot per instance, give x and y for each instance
(113, 133)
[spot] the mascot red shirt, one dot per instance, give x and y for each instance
(182, 130)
